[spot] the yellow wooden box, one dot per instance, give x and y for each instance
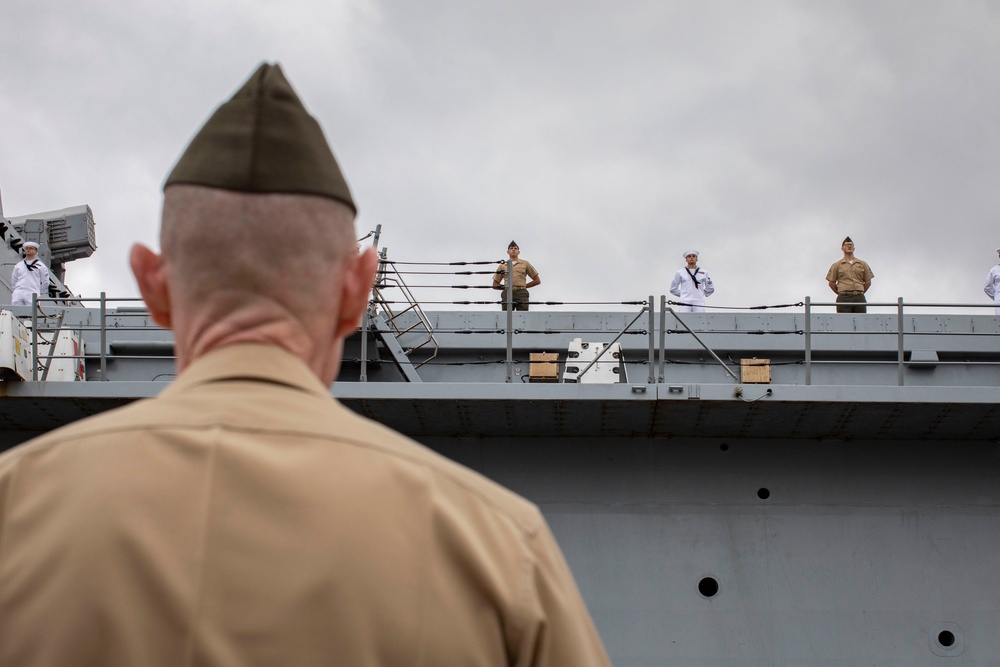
(756, 371)
(544, 367)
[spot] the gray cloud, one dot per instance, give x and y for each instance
(605, 138)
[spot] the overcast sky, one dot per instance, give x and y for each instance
(604, 137)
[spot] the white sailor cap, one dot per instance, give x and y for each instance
(691, 252)
(31, 244)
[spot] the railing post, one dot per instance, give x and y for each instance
(663, 333)
(104, 337)
(652, 332)
(509, 307)
(34, 337)
(808, 335)
(365, 320)
(364, 345)
(899, 325)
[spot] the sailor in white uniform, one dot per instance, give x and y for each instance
(29, 277)
(992, 286)
(692, 284)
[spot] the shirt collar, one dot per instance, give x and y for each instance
(250, 361)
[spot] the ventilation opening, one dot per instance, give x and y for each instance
(946, 639)
(708, 587)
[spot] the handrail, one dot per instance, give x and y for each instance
(900, 333)
(651, 307)
(614, 340)
(366, 316)
(382, 279)
(101, 328)
(702, 343)
(509, 309)
(41, 325)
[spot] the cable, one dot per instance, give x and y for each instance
(634, 332)
(797, 362)
(533, 303)
(639, 362)
(387, 261)
(443, 273)
(738, 393)
(703, 305)
(755, 332)
(449, 286)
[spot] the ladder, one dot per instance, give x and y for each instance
(401, 335)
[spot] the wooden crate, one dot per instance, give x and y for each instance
(544, 367)
(755, 371)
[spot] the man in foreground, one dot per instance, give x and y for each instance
(850, 278)
(244, 517)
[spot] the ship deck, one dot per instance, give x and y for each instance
(876, 376)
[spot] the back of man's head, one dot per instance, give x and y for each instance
(257, 237)
(225, 249)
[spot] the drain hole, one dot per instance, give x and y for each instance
(946, 638)
(763, 493)
(724, 447)
(709, 587)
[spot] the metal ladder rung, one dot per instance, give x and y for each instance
(402, 312)
(408, 329)
(416, 347)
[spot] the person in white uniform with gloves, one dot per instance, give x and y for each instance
(29, 277)
(992, 286)
(692, 284)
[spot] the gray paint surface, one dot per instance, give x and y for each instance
(851, 521)
(862, 553)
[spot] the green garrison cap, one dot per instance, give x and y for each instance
(263, 141)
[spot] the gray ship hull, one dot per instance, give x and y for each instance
(845, 513)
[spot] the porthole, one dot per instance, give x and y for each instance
(709, 587)
(946, 639)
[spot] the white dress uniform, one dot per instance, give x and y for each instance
(992, 287)
(28, 278)
(692, 286)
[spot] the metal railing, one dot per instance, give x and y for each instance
(383, 278)
(39, 327)
(51, 323)
(899, 333)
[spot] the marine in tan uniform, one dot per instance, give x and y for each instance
(244, 517)
(850, 278)
(521, 271)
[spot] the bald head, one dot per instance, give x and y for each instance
(236, 267)
(233, 247)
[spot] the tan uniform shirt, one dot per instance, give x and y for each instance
(848, 276)
(522, 270)
(244, 517)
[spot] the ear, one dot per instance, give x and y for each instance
(355, 291)
(148, 269)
